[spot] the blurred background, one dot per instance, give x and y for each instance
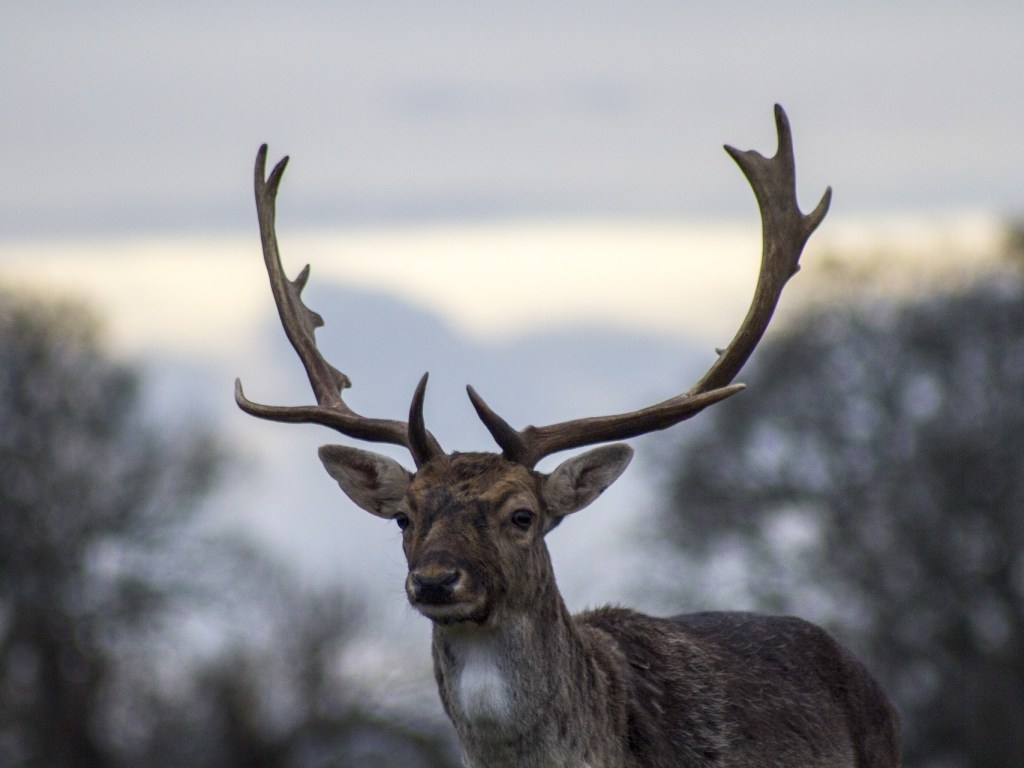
(531, 198)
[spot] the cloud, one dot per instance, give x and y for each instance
(123, 116)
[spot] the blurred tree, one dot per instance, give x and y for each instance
(873, 478)
(278, 693)
(1013, 241)
(87, 490)
(126, 636)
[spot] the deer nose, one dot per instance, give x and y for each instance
(434, 584)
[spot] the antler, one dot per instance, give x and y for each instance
(784, 232)
(300, 324)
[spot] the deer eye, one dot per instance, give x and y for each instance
(402, 519)
(522, 518)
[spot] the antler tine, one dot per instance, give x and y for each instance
(785, 230)
(300, 324)
(422, 444)
(530, 445)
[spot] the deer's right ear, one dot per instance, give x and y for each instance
(374, 482)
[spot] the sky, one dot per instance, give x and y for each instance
(144, 117)
(505, 167)
(511, 165)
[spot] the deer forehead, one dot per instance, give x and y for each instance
(484, 481)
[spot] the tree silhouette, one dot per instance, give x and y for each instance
(88, 489)
(104, 581)
(274, 696)
(873, 478)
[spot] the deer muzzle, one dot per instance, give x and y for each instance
(445, 592)
(434, 585)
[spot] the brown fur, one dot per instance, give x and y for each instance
(526, 684)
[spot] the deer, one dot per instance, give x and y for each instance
(525, 682)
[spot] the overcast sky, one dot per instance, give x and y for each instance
(145, 116)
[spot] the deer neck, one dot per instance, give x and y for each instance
(522, 688)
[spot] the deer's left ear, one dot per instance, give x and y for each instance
(578, 481)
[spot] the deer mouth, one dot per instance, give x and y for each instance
(452, 611)
(455, 614)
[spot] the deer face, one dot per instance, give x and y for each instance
(473, 524)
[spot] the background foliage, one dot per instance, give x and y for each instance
(128, 636)
(873, 478)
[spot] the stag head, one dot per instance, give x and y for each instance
(473, 524)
